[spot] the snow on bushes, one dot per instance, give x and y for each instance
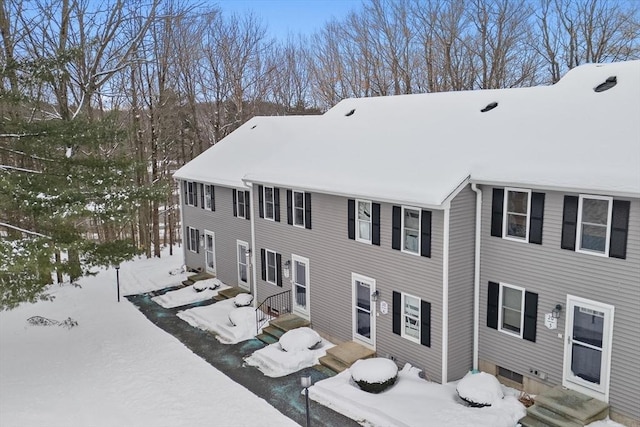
(480, 389)
(374, 375)
(242, 316)
(243, 300)
(203, 285)
(300, 339)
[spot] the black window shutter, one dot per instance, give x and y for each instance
(197, 241)
(213, 198)
(289, 207)
(202, 195)
(375, 224)
(263, 263)
(425, 323)
(279, 270)
(425, 231)
(235, 204)
(396, 233)
(397, 313)
(497, 205)
(530, 316)
(307, 211)
(619, 229)
(195, 194)
(247, 205)
(260, 201)
(351, 218)
(536, 220)
(569, 223)
(185, 188)
(276, 204)
(493, 297)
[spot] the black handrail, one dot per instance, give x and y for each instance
(272, 307)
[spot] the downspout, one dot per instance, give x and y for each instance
(254, 277)
(182, 222)
(445, 294)
(476, 275)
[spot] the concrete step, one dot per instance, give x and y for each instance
(230, 293)
(350, 351)
(332, 363)
(529, 421)
(573, 405)
(276, 333)
(267, 339)
(551, 418)
(289, 321)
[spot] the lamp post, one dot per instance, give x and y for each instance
(305, 381)
(118, 280)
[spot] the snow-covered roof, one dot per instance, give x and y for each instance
(417, 149)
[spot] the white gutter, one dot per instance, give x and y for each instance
(476, 275)
(182, 223)
(254, 277)
(445, 294)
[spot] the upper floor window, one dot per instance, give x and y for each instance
(209, 198)
(517, 214)
(269, 203)
(596, 225)
(191, 193)
(516, 218)
(298, 208)
(410, 230)
(364, 221)
(240, 204)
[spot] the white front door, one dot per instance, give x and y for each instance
(587, 352)
(242, 253)
(210, 251)
(300, 285)
(364, 320)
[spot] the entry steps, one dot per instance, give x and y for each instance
(342, 356)
(196, 277)
(229, 293)
(561, 407)
(277, 327)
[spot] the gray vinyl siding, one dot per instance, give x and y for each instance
(554, 273)
(227, 229)
(332, 260)
(461, 270)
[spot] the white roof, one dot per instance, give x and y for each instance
(417, 149)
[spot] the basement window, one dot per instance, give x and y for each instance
(607, 84)
(350, 113)
(510, 375)
(489, 107)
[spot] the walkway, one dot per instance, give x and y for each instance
(283, 393)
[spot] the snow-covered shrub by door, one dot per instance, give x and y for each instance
(243, 300)
(200, 286)
(300, 339)
(480, 389)
(374, 375)
(203, 285)
(242, 316)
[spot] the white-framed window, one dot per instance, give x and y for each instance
(517, 208)
(411, 230)
(269, 206)
(192, 239)
(192, 193)
(272, 267)
(208, 197)
(410, 318)
(594, 224)
(511, 309)
(240, 205)
(363, 221)
(298, 208)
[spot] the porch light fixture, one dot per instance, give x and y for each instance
(247, 252)
(305, 382)
(287, 268)
(556, 311)
(375, 295)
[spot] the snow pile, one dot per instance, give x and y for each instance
(299, 339)
(412, 401)
(202, 285)
(273, 361)
(243, 300)
(188, 295)
(374, 375)
(215, 318)
(480, 389)
(240, 316)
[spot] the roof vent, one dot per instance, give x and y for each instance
(254, 126)
(608, 84)
(489, 107)
(350, 113)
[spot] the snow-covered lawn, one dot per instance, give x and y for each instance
(189, 294)
(115, 368)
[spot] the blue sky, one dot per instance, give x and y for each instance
(292, 16)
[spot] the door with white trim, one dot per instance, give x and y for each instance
(210, 251)
(300, 285)
(242, 254)
(587, 352)
(364, 320)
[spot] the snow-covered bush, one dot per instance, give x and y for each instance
(479, 389)
(242, 316)
(300, 339)
(243, 300)
(200, 286)
(374, 375)
(43, 321)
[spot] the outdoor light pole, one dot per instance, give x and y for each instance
(305, 381)
(118, 280)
